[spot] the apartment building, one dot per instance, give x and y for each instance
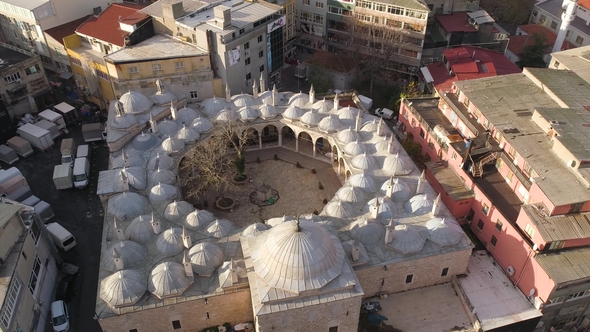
(525, 36)
(55, 42)
(549, 13)
(575, 59)
(509, 159)
(311, 22)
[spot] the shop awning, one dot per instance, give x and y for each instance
(66, 75)
(427, 76)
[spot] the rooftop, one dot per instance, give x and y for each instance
(6, 212)
(105, 27)
(157, 47)
(520, 41)
(455, 22)
(9, 57)
(560, 227)
(450, 181)
(480, 17)
(412, 4)
(61, 31)
(576, 59)
(494, 186)
(566, 265)
(569, 89)
(188, 6)
(553, 7)
(29, 4)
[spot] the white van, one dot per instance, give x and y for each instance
(83, 151)
(59, 317)
(81, 172)
(62, 238)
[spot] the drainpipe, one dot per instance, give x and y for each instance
(526, 263)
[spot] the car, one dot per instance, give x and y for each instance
(67, 287)
(385, 113)
(59, 316)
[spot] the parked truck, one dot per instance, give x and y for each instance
(68, 151)
(62, 176)
(92, 132)
(37, 137)
(20, 146)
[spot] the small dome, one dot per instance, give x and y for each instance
(162, 98)
(186, 115)
(272, 222)
(123, 121)
(323, 106)
(168, 279)
(205, 258)
(226, 116)
(311, 118)
(385, 207)
(310, 217)
(268, 111)
(330, 124)
(123, 160)
(213, 106)
(168, 128)
(162, 192)
(254, 229)
(362, 181)
(140, 230)
(123, 288)
(169, 242)
(382, 145)
(419, 204)
(202, 125)
(126, 205)
(299, 99)
(265, 97)
(162, 176)
(177, 211)
(407, 239)
(135, 103)
(370, 126)
(162, 161)
(347, 136)
(247, 114)
(220, 228)
(364, 162)
(242, 100)
(198, 219)
(443, 232)
(348, 114)
(144, 141)
(135, 176)
(172, 145)
(187, 134)
(338, 209)
(400, 191)
(350, 194)
(368, 232)
(131, 253)
(292, 113)
(354, 148)
(397, 165)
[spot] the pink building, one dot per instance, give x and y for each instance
(510, 158)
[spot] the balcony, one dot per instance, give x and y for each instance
(526, 182)
(427, 112)
(495, 188)
(462, 112)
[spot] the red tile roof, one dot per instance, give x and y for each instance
(469, 62)
(518, 42)
(584, 3)
(455, 22)
(105, 27)
(61, 31)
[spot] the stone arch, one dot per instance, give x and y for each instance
(348, 174)
(252, 137)
(270, 135)
(288, 137)
(323, 147)
(305, 143)
(341, 166)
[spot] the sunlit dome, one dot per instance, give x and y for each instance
(272, 222)
(186, 115)
(265, 97)
(162, 98)
(162, 192)
(407, 239)
(162, 176)
(169, 242)
(354, 148)
(338, 209)
(370, 126)
(123, 288)
(329, 124)
(254, 229)
(172, 145)
(298, 257)
(267, 111)
(311, 118)
(126, 205)
(323, 106)
(443, 232)
(299, 99)
(247, 114)
(364, 162)
(205, 258)
(168, 128)
(144, 141)
(198, 219)
(123, 121)
(123, 160)
(220, 228)
(168, 279)
(362, 181)
(397, 165)
(214, 105)
(350, 194)
(400, 191)
(177, 211)
(130, 252)
(162, 160)
(368, 232)
(202, 125)
(293, 113)
(348, 114)
(347, 135)
(135, 176)
(310, 217)
(140, 229)
(135, 102)
(187, 134)
(242, 100)
(419, 204)
(226, 115)
(383, 144)
(385, 207)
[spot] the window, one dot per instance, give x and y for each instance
(480, 225)
(260, 38)
(143, 84)
(318, 18)
(553, 25)
(133, 330)
(35, 232)
(191, 78)
(248, 76)
(157, 67)
(529, 230)
(319, 4)
(509, 176)
(454, 156)
(242, 30)
(247, 45)
(579, 40)
(409, 278)
(176, 324)
(306, 2)
(12, 78)
(247, 61)
(556, 245)
(577, 294)
(558, 299)
(568, 33)
(422, 133)
(194, 95)
(556, 64)
(10, 302)
(261, 68)
(470, 215)
(102, 75)
(33, 69)
(444, 272)
(133, 70)
(498, 225)
(494, 240)
(261, 54)
(176, 79)
(35, 274)
(485, 209)
(116, 86)
(179, 65)
(333, 329)
(542, 19)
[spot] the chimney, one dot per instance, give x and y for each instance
(336, 102)
(355, 251)
(118, 230)
(375, 208)
(96, 11)
(436, 206)
(262, 82)
(222, 15)
(186, 262)
(311, 95)
(173, 109)
(234, 272)
(389, 190)
(566, 18)
(359, 121)
(391, 144)
(172, 10)
(117, 259)
(156, 227)
(153, 123)
(186, 239)
(254, 89)
(421, 183)
(473, 56)
(274, 95)
(389, 229)
(380, 127)
(227, 94)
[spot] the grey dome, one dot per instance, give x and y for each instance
(177, 211)
(370, 126)
(272, 222)
(350, 194)
(162, 161)
(247, 114)
(311, 118)
(214, 105)
(226, 116)
(123, 121)
(187, 134)
(123, 160)
(347, 135)
(135, 103)
(310, 217)
(202, 125)
(385, 207)
(169, 242)
(135, 176)
(205, 258)
(368, 232)
(338, 209)
(144, 141)
(364, 162)
(329, 124)
(168, 279)
(130, 252)
(348, 114)
(382, 145)
(443, 232)
(297, 257)
(126, 205)
(168, 128)
(293, 113)
(123, 288)
(172, 145)
(198, 219)
(162, 176)
(362, 181)
(254, 229)
(299, 99)
(401, 191)
(323, 106)
(397, 165)
(406, 239)
(162, 192)
(220, 228)
(186, 115)
(242, 100)
(140, 230)
(354, 148)
(265, 97)
(162, 98)
(268, 111)
(419, 204)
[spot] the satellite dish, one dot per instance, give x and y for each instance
(532, 292)
(535, 247)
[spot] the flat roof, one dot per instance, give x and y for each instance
(480, 17)
(495, 300)
(155, 48)
(573, 129)
(455, 22)
(566, 265)
(411, 4)
(9, 57)
(576, 59)
(568, 87)
(6, 212)
(450, 181)
(559, 227)
(188, 6)
(28, 4)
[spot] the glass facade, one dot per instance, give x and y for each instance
(274, 42)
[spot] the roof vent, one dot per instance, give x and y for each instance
(96, 10)
(554, 122)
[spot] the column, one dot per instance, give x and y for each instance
(296, 144)
(339, 167)
(260, 140)
(313, 148)
(281, 139)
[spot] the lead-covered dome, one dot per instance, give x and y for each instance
(186, 115)
(397, 165)
(347, 135)
(299, 99)
(141, 230)
(329, 124)
(407, 239)
(419, 204)
(202, 125)
(163, 192)
(268, 111)
(205, 258)
(198, 219)
(338, 209)
(177, 211)
(293, 113)
(144, 141)
(127, 205)
(400, 190)
(135, 102)
(187, 134)
(172, 145)
(123, 121)
(364, 162)
(348, 115)
(385, 208)
(298, 256)
(242, 100)
(354, 148)
(220, 228)
(169, 242)
(362, 181)
(323, 106)
(443, 232)
(311, 118)
(214, 105)
(368, 232)
(123, 160)
(162, 176)
(350, 194)
(130, 252)
(248, 114)
(161, 161)
(168, 128)
(123, 288)
(226, 115)
(254, 229)
(168, 279)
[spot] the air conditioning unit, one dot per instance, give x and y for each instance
(510, 270)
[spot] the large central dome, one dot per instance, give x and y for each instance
(300, 257)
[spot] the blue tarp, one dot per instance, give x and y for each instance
(376, 319)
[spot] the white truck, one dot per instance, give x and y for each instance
(68, 151)
(62, 176)
(92, 132)
(385, 113)
(81, 172)
(38, 137)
